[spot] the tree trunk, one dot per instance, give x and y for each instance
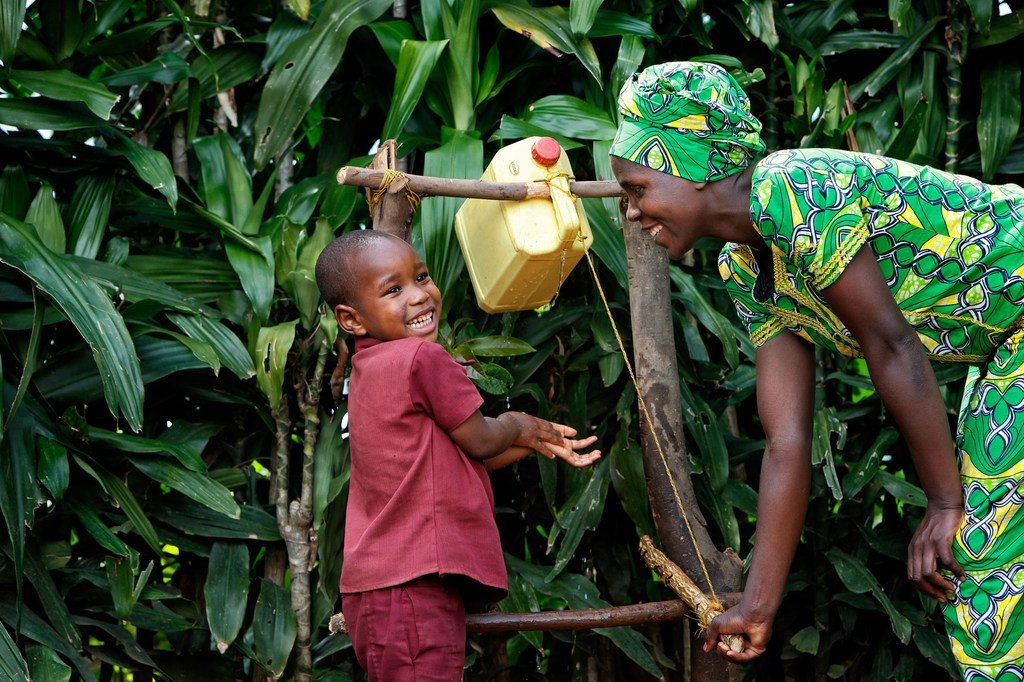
(658, 376)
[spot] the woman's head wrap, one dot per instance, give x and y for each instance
(688, 119)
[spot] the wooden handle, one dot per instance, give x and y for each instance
(680, 583)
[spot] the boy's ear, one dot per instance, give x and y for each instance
(348, 319)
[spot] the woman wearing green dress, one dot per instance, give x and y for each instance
(865, 256)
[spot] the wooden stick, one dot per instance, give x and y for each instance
(584, 619)
(426, 186)
(681, 584)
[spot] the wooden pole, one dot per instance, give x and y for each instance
(654, 351)
(475, 189)
(582, 619)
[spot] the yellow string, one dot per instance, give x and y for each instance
(654, 434)
(390, 175)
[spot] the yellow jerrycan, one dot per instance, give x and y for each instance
(519, 252)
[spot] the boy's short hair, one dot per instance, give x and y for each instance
(337, 264)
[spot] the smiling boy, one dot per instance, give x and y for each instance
(420, 534)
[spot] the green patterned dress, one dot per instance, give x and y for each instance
(951, 249)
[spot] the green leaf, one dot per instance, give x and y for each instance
(253, 524)
(90, 520)
(122, 281)
(576, 592)
(459, 156)
(273, 627)
(88, 309)
(151, 166)
(126, 501)
(53, 469)
(330, 465)
(14, 192)
(580, 513)
(198, 486)
(895, 62)
(12, 665)
(999, 118)
(224, 183)
(902, 144)
(121, 574)
(302, 70)
(609, 23)
(89, 213)
(44, 215)
(186, 454)
(807, 640)
(65, 86)
(12, 15)
(284, 30)
(228, 347)
(549, 28)
(869, 463)
(572, 117)
(45, 666)
(391, 35)
(759, 15)
(272, 347)
(858, 579)
(38, 113)
(227, 591)
(902, 490)
(582, 14)
(415, 64)
(33, 627)
(627, 477)
(498, 346)
(844, 41)
(698, 303)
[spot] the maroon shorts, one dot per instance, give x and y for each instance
(413, 632)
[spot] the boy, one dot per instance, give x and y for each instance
(420, 533)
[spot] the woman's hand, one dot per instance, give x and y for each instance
(932, 543)
(755, 629)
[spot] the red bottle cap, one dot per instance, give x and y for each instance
(546, 151)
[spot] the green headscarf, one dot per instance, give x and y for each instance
(687, 119)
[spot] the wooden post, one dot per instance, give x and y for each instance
(654, 351)
(393, 212)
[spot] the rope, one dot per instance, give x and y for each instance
(391, 175)
(654, 434)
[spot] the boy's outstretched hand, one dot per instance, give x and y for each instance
(567, 451)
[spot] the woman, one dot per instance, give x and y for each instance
(868, 256)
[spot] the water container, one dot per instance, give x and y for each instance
(519, 252)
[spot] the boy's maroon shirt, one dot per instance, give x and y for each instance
(417, 504)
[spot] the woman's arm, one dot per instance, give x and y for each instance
(785, 403)
(906, 383)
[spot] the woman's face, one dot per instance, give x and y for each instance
(668, 208)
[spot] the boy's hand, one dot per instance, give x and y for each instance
(552, 440)
(567, 452)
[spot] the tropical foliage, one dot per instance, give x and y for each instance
(167, 186)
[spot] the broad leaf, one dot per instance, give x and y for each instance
(227, 591)
(88, 309)
(999, 118)
(415, 64)
(198, 486)
(273, 627)
(68, 87)
(302, 70)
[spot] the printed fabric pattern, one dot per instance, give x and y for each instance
(687, 119)
(951, 249)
